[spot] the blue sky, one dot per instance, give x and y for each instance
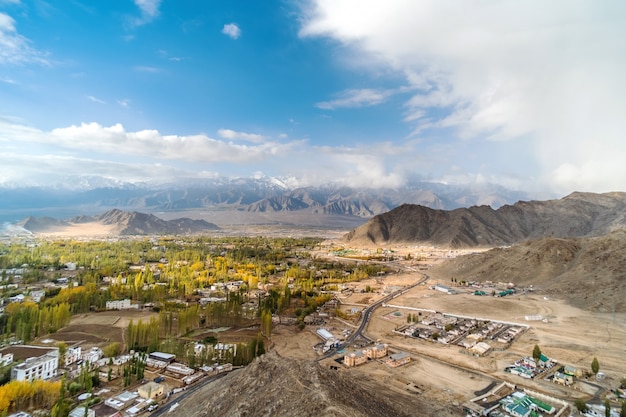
(528, 95)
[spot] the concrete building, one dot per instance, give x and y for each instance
(72, 354)
(480, 349)
(6, 359)
(162, 357)
(120, 305)
(41, 367)
(563, 379)
(398, 359)
(354, 359)
(150, 391)
(122, 400)
(93, 355)
(376, 352)
(80, 412)
(37, 295)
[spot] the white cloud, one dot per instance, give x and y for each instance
(15, 48)
(149, 11)
(550, 74)
(93, 138)
(356, 98)
(124, 102)
(232, 30)
(233, 135)
(149, 7)
(96, 100)
(31, 156)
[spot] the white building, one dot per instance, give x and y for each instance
(42, 367)
(72, 354)
(93, 355)
(37, 295)
(120, 305)
(80, 412)
(6, 359)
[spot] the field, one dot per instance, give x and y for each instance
(97, 329)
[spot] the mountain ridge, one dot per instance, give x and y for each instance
(122, 223)
(590, 272)
(265, 194)
(278, 386)
(575, 215)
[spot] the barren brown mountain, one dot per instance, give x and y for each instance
(276, 386)
(578, 214)
(590, 273)
(118, 222)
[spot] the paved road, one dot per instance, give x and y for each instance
(365, 317)
(177, 398)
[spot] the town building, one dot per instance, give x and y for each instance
(93, 355)
(444, 289)
(563, 378)
(37, 295)
(81, 412)
(376, 352)
(39, 367)
(121, 305)
(6, 359)
(150, 390)
(162, 357)
(398, 359)
(570, 370)
(72, 355)
(122, 400)
(354, 359)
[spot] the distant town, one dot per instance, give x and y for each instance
(125, 327)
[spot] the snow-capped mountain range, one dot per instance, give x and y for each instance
(90, 195)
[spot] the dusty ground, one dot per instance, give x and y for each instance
(93, 229)
(96, 329)
(444, 374)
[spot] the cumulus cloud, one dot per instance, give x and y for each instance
(231, 30)
(550, 75)
(33, 156)
(355, 98)
(115, 140)
(233, 135)
(15, 48)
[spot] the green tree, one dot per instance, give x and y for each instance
(607, 408)
(580, 404)
(62, 352)
(536, 353)
(595, 365)
(623, 410)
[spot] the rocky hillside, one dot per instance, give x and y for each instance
(40, 224)
(589, 272)
(578, 214)
(124, 223)
(276, 386)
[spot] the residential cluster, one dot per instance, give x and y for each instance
(477, 336)
(37, 362)
(546, 368)
(377, 351)
(507, 400)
